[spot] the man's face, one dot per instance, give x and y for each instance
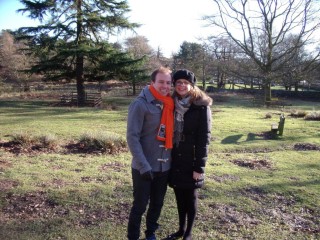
(162, 83)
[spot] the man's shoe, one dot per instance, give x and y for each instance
(152, 237)
(187, 237)
(173, 236)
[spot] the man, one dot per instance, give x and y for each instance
(149, 137)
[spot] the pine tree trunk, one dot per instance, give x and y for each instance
(80, 81)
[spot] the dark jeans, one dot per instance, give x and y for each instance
(144, 192)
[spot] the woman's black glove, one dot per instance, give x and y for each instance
(147, 176)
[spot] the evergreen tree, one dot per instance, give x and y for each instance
(70, 39)
(191, 55)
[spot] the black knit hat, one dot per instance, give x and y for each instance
(184, 74)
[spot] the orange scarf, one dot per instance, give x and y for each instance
(165, 132)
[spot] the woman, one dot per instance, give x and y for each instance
(192, 132)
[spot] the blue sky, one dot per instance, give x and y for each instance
(165, 23)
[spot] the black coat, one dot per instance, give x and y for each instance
(192, 152)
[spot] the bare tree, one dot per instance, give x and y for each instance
(138, 46)
(223, 51)
(260, 27)
(13, 61)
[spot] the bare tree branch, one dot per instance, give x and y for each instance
(260, 29)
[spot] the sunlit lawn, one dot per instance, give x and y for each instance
(257, 187)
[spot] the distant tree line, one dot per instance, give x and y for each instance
(259, 43)
(72, 44)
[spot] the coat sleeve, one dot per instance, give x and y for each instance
(203, 137)
(135, 122)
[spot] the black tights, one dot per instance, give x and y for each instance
(187, 202)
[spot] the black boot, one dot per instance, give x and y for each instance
(175, 235)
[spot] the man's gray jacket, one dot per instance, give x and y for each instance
(144, 117)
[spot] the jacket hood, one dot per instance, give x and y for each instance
(203, 100)
(146, 94)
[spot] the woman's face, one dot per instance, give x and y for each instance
(182, 87)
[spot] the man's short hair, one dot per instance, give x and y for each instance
(161, 69)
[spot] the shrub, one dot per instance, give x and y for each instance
(23, 138)
(268, 115)
(49, 141)
(103, 142)
(298, 113)
(28, 140)
(314, 116)
(111, 106)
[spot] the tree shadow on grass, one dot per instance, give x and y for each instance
(261, 136)
(250, 137)
(231, 139)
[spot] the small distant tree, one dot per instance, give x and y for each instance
(188, 56)
(138, 46)
(192, 56)
(299, 66)
(223, 52)
(72, 36)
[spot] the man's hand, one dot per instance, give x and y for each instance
(148, 175)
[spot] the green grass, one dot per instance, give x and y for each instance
(66, 122)
(62, 195)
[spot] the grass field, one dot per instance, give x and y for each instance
(257, 186)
